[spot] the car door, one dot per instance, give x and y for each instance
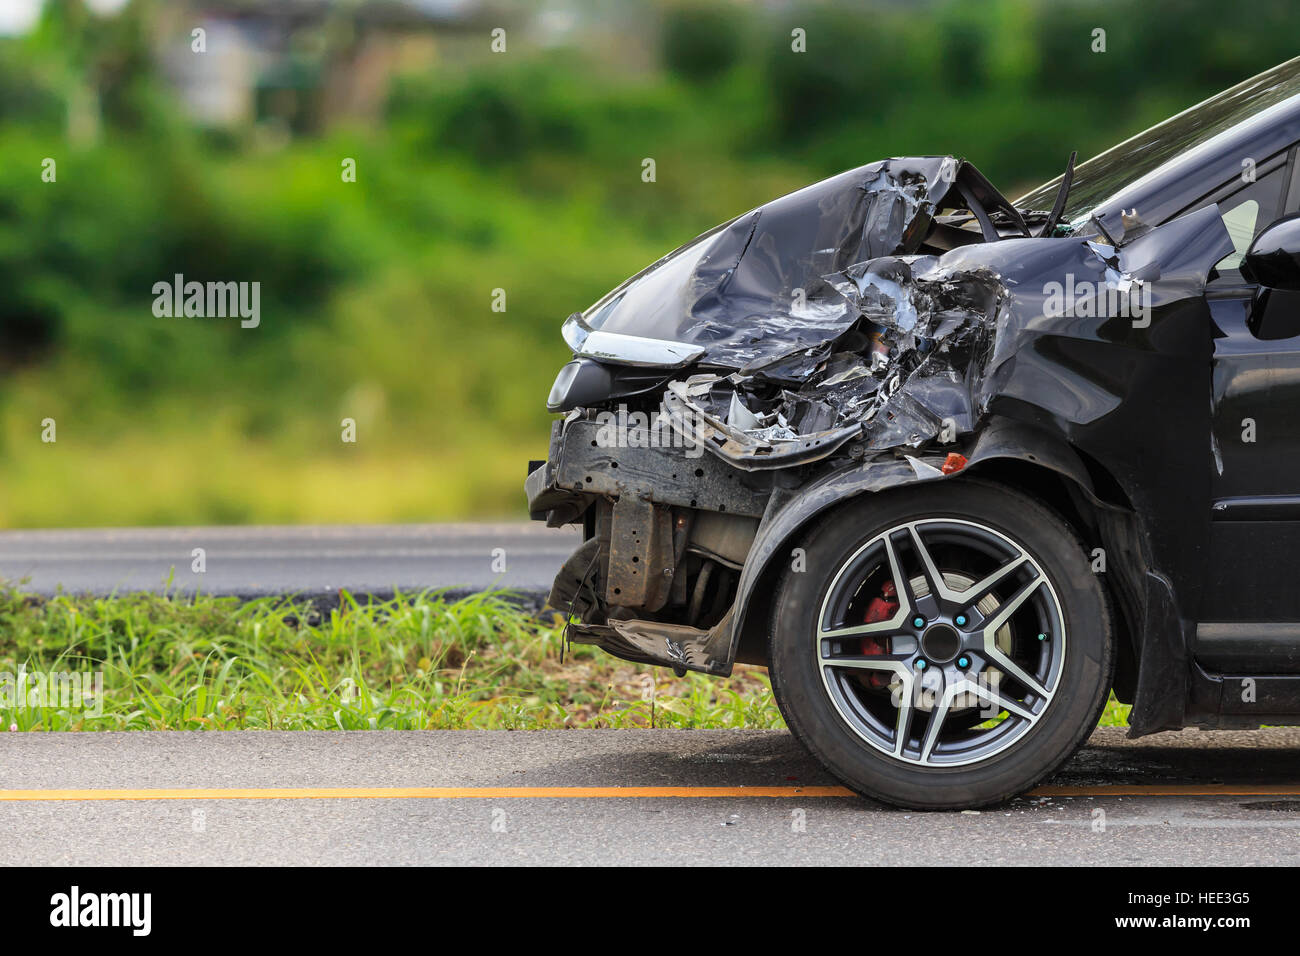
(1250, 614)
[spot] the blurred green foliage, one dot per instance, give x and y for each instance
(519, 172)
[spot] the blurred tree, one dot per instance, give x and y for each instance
(857, 68)
(702, 41)
(965, 39)
(492, 117)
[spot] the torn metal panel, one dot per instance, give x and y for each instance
(589, 458)
(922, 328)
(694, 410)
(679, 646)
(752, 290)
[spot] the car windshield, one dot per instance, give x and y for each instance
(1108, 173)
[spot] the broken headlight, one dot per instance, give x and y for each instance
(586, 382)
(581, 382)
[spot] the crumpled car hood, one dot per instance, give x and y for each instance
(752, 288)
(890, 304)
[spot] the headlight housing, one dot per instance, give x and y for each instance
(586, 382)
(581, 382)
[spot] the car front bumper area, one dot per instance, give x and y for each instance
(666, 531)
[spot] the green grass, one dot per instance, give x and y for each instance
(416, 662)
(1115, 714)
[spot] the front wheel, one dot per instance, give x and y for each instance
(941, 646)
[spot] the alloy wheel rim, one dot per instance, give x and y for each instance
(971, 657)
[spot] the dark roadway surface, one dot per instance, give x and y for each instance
(1090, 827)
(309, 560)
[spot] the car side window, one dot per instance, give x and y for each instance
(1248, 211)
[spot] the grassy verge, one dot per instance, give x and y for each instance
(416, 662)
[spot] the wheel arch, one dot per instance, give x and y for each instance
(1022, 457)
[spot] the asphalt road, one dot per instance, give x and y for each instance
(1197, 798)
(309, 560)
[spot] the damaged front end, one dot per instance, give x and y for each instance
(898, 323)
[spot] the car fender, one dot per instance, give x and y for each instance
(790, 512)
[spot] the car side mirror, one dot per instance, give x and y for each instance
(1273, 259)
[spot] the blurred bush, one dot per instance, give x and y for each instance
(702, 41)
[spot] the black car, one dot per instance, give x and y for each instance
(956, 468)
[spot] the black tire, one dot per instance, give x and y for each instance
(1068, 711)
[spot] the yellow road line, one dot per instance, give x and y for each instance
(1173, 790)
(508, 793)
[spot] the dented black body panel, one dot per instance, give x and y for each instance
(900, 323)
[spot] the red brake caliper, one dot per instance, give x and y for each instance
(880, 609)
